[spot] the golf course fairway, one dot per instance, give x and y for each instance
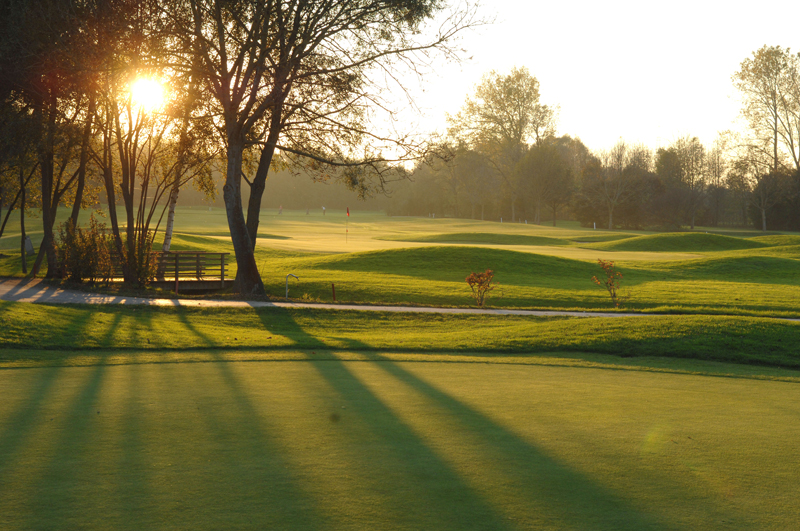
(382, 444)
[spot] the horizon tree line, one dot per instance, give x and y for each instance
(261, 86)
(503, 156)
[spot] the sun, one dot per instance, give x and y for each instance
(147, 94)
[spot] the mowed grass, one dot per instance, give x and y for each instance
(382, 444)
(180, 418)
(36, 335)
(680, 242)
(423, 261)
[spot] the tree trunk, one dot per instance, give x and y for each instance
(87, 135)
(108, 180)
(554, 215)
(22, 223)
(610, 219)
(260, 179)
(48, 246)
(764, 220)
(248, 281)
(46, 165)
(482, 211)
(173, 201)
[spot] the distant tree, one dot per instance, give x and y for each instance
(478, 179)
(502, 118)
(692, 158)
(765, 188)
(614, 179)
(545, 178)
(769, 82)
(716, 170)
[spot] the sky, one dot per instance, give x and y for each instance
(647, 72)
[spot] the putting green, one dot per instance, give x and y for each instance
(394, 445)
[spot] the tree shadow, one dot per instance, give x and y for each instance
(569, 495)
(572, 497)
(398, 453)
(207, 341)
(18, 428)
(264, 476)
(58, 491)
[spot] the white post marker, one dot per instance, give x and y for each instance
(287, 284)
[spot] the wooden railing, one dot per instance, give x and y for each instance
(191, 265)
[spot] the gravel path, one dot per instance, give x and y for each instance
(36, 291)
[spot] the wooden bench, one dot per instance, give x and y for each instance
(197, 269)
(192, 265)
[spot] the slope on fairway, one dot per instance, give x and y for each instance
(478, 238)
(680, 242)
(778, 239)
(454, 262)
(751, 269)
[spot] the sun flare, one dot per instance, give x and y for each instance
(147, 93)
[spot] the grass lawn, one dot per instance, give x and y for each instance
(382, 444)
(424, 261)
(189, 418)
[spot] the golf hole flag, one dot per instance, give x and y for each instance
(348, 212)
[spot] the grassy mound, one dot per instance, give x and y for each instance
(479, 238)
(680, 242)
(778, 240)
(598, 238)
(445, 262)
(764, 269)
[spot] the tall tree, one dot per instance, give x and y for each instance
(294, 76)
(716, 170)
(613, 181)
(769, 82)
(692, 157)
(545, 178)
(752, 169)
(501, 120)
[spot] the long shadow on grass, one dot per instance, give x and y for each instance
(422, 483)
(60, 494)
(571, 497)
(18, 429)
(576, 500)
(208, 342)
(265, 485)
(134, 486)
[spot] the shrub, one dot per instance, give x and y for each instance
(85, 255)
(611, 282)
(481, 284)
(143, 266)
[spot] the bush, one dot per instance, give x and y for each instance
(481, 284)
(611, 282)
(85, 255)
(143, 266)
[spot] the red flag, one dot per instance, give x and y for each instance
(348, 212)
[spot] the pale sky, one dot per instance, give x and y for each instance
(643, 71)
